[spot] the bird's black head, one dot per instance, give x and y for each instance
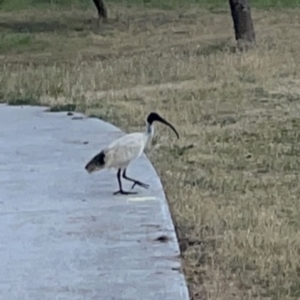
(153, 116)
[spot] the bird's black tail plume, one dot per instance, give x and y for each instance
(96, 163)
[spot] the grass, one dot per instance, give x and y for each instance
(213, 5)
(232, 179)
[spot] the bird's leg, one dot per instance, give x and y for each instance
(121, 191)
(135, 182)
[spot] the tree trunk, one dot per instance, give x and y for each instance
(242, 22)
(101, 8)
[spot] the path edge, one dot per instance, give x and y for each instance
(184, 291)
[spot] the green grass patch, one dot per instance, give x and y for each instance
(23, 101)
(11, 5)
(213, 5)
(63, 107)
(19, 43)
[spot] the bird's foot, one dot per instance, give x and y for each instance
(144, 185)
(124, 193)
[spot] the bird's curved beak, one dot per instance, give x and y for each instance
(162, 120)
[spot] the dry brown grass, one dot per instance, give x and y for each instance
(232, 179)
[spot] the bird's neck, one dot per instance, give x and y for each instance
(149, 131)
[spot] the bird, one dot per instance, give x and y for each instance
(122, 151)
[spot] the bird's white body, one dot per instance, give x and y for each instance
(121, 152)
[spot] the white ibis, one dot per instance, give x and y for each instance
(121, 152)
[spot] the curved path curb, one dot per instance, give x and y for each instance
(63, 234)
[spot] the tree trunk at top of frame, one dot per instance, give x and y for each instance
(102, 10)
(242, 22)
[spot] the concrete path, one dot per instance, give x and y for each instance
(63, 235)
